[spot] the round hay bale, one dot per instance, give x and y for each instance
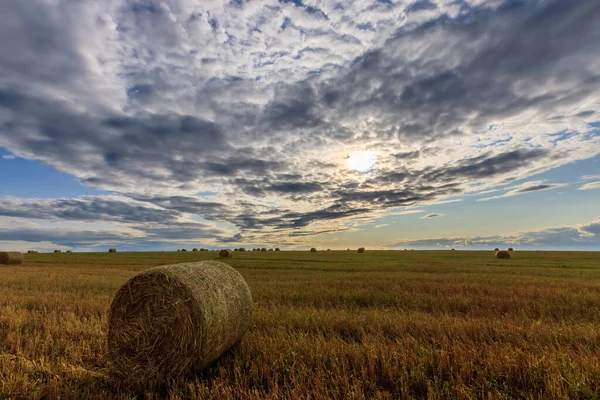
(31, 251)
(361, 250)
(496, 249)
(194, 249)
(112, 250)
(270, 249)
(57, 251)
(171, 321)
(276, 248)
(263, 249)
(510, 249)
(313, 250)
(502, 254)
(11, 257)
(242, 249)
(226, 253)
(69, 251)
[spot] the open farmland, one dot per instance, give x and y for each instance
(384, 324)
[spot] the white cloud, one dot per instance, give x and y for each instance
(590, 186)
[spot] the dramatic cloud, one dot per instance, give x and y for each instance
(527, 187)
(262, 102)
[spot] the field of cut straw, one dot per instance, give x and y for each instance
(383, 325)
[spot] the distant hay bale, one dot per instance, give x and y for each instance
(31, 251)
(11, 257)
(226, 253)
(361, 250)
(328, 249)
(510, 249)
(69, 251)
(194, 249)
(183, 250)
(453, 249)
(58, 251)
(502, 254)
(263, 249)
(276, 248)
(270, 249)
(496, 249)
(313, 250)
(171, 321)
(242, 249)
(112, 250)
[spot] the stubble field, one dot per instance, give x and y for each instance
(384, 325)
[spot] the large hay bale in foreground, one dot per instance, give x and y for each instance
(11, 257)
(361, 250)
(313, 250)
(173, 320)
(503, 255)
(226, 253)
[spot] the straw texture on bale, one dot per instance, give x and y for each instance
(361, 250)
(226, 253)
(313, 250)
(502, 254)
(171, 321)
(11, 257)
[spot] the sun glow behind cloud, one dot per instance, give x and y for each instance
(362, 161)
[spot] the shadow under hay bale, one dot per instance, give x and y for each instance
(226, 253)
(171, 321)
(11, 257)
(502, 255)
(361, 250)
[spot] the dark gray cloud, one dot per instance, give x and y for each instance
(584, 237)
(527, 187)
(92, 208)
(432, 215)
(68, 237)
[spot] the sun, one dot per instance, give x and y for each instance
(362, 161)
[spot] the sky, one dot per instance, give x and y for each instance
(389, 124)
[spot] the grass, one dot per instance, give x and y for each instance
(383, 325)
